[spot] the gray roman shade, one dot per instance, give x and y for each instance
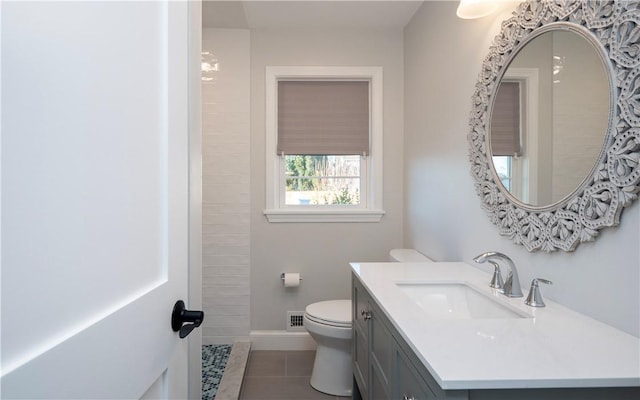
(505, 120)
(323, 117)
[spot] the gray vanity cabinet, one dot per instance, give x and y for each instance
(383, 366)
(380, 355)
(413, 381)
(360, 343)
(410, 384)
(372, 351)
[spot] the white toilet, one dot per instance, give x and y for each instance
(329, 324)
(407, 255)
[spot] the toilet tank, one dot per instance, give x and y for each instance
(407, 255)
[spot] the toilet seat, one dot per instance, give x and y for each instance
(335, 313)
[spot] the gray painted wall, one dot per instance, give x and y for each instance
(244, 254)
(320, 251)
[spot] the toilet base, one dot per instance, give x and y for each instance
(332, 372)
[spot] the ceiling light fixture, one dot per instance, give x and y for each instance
(471, 9)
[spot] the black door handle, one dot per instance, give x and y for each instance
(181, 316)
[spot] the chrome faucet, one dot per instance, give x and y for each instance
(511, 287)
(534, 299)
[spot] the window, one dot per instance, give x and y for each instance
(322, 179)
(505, 121)
(503, 166)
(324, 144)
(514, 138)
(505, 132)
(507, 137)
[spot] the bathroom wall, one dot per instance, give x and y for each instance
(320, 251)
(577, 141)
(225, 183)
(443, 218)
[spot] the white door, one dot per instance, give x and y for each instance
(95, 198)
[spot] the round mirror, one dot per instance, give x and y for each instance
(549, 118)
(575, 156)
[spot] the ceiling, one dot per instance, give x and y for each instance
(308, 14)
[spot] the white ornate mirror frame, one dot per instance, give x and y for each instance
(614, 182)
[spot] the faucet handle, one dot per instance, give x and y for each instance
(496, 280)
(534, 299)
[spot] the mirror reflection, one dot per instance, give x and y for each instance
(549, 118)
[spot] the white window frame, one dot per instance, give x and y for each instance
(525, 167)
(370, 208)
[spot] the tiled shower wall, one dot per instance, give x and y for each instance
(226, 162)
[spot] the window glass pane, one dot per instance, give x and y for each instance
(502, 165)
(322, 180)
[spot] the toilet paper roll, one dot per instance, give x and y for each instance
(291, 279)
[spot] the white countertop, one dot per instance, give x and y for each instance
(555, 347)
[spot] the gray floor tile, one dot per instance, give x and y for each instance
(266, 363)
(281, 388)
(281, 375)
(300, 363)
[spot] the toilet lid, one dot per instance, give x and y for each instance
(332, 312)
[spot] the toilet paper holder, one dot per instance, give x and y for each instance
(282, 276)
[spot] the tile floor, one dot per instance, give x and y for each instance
(214, 360)
(280, 375)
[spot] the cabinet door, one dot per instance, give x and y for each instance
(381, 344)
(360, 357)
(379, 389)
(408, 384)
(361, 310)
(360, 343)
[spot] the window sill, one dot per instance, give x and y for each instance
(324, 215)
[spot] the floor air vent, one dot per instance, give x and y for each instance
(294, 321)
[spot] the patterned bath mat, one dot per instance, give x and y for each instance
(214, 360)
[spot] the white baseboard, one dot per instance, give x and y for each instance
(281, 340)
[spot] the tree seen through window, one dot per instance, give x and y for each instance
(322, 179)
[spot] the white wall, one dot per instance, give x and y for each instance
(226, 171)
(320, 251)
(443, 218)
(579, 121)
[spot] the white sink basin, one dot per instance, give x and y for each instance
(456, 301)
